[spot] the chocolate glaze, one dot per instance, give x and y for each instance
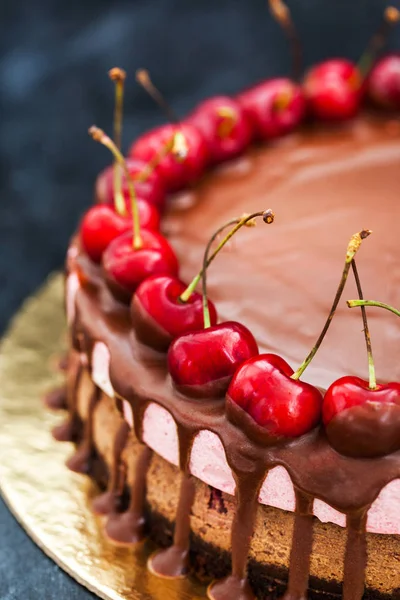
(147, 328)
(368, 431)
(128, 527)
(173, 562)
(69, 430)
(63, 363)
(109, 501)
(300, 555)
(355, 558)
(56, 399)
(323, 186)
(81, 459)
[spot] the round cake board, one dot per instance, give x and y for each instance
(50, 502)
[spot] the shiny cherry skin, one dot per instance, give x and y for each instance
(149, 215)
(224, 125)
(350, 391)
(383, 85)
(159, 316)
(151, 190)
(175, 173)
(274, 107)
(285, 408)
(101, 225)
(362, 422)
(333, 90)
(126, 268)
(202, 363)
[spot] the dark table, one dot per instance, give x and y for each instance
(54, 58)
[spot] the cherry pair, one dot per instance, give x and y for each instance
(362, 418)
(202, 356)
(129, 246)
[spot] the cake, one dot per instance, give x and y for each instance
(312, 513)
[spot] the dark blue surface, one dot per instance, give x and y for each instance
(54, 56)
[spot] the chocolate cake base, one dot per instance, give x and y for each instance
(212, 514)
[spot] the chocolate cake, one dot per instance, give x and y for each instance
(287, 515)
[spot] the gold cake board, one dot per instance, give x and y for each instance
(49, 501)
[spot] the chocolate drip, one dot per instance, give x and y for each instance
(56, 399)
(138, 410)
(300, 555)
(174, 561)
(185, 440)
(128, 528)
(63, 363)
(355, 559)
(108, 502)
(70, 429)
(236, 585)
(80, 460)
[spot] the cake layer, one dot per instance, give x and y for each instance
(212, 514)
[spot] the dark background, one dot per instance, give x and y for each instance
(54, 58)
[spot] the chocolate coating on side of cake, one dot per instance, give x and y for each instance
(212, 514)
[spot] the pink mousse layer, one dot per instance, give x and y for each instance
(208, 461)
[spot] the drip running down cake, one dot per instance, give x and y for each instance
(184, 401)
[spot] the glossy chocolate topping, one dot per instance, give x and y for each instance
(369, 430)
(279, 281)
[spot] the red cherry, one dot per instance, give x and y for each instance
(100, 226)
(274, 107)
(383, 83)
(176, 173)
(126, 267)
(149, 216)
(333, 90)
(224, 125)
(159, 316)
(361, 421)
(201, 363)
(351, 391)
(151, 190)
(283, 407)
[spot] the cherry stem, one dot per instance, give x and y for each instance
(99, 136)
(358, 303)
(184, 297)
(228, 121)
(391, 16)
(371, 365)
(352, 248)
(281, 14)
(268, 217)
(179, 147)
(143, 78)
(118, 76)
(168, 147)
